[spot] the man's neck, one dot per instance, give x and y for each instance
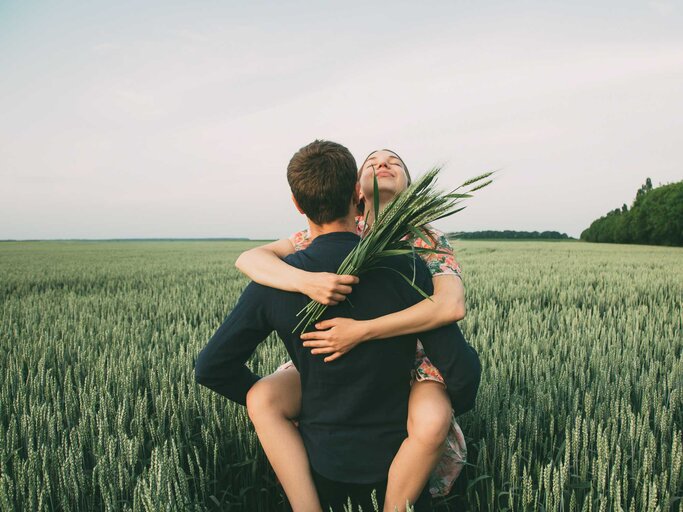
(347, 224)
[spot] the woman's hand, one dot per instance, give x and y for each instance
(327, 288)
(335, 337)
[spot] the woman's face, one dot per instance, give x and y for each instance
(391, 175)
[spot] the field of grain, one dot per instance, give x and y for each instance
(580, 406)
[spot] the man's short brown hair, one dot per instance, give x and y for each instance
(322, 176)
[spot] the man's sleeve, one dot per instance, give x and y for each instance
(458, 363)
(220, 366)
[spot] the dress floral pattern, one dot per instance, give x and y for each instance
(443, 262)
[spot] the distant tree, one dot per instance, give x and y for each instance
(656, 217)
(644, 189)
(510, 235)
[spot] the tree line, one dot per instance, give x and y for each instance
(655, 218)
(510, 235)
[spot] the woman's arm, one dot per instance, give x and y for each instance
(339, 335)
(447, 305)
(265, 266)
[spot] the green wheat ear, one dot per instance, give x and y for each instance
(477, 178)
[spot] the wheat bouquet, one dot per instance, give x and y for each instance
(396, 226)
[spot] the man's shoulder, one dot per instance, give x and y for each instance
(325, 253)
(408, 261)
(403, 269)
(295, 259)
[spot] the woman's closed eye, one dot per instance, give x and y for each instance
(369, 167)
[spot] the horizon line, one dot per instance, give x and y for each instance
(453, 234)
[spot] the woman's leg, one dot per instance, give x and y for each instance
(273, 402)
(429, 418)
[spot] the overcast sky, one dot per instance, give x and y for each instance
(177, 119)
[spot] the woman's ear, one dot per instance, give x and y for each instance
(296, 203)
(358, 195)
(360, 204)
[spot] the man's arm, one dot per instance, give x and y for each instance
(220, 365)
(458, 363)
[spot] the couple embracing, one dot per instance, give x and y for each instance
(368, 401)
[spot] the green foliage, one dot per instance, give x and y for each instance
(656, 218)
(580, 406)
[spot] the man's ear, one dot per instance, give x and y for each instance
(297, 205)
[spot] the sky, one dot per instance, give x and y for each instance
(177, 119)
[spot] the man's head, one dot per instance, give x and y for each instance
(323, 177)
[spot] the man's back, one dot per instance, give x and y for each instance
(354, 409)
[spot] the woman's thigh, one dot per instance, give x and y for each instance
(280, 390)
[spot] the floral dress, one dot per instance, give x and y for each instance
(453, 459)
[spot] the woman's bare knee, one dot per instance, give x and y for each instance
(278, 394)
(429, 414)
(261, 400)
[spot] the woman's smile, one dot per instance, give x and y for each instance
(384, 173)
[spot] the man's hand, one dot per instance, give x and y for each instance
(327, 288)
(335, 337)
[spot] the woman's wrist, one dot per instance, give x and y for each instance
(302, 281)
(369, 329)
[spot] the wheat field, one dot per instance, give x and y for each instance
(580, 406)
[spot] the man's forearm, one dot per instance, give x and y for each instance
(458, 364)
(220, 365)
(232, 384)
(224, 375)
(462, 381)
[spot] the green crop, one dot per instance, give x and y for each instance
(580, 406)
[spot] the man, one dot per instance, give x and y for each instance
(354, 409)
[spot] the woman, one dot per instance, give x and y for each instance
(275, 401)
